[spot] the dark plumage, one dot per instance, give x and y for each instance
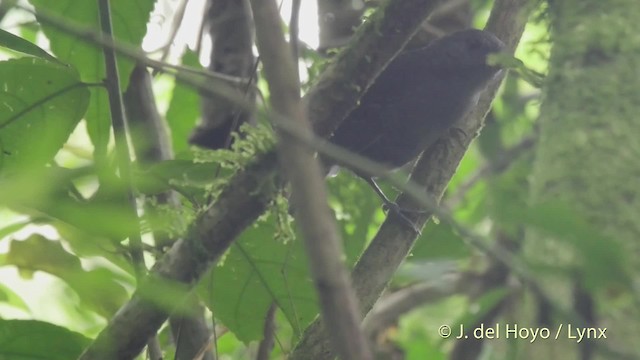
(417, 98)
(421, 94)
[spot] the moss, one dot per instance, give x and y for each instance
(589, 145)
(589, 118)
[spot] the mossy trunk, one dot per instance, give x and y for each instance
(588, 157)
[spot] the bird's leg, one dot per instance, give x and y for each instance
(392, 206)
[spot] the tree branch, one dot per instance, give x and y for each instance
(209, 236)
(119, 125)
(268, 334)
(152, 145)
(249, 191)
(338, 303)
(118, 121)
(354, 69)
(394, 305)
(393, 242)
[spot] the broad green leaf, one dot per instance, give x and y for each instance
(11, 298)
(259, 270)
(105, 215)
(99, 289)
(256, 272)
(86, 244)
(129, 20)
(29, 340)
(184, 108)
(19, 44)
(40, 105)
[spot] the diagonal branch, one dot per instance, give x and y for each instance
(190, 331)
(118, 121)
(353, 70)
(434, 170)
(250, 190)
(322, 242)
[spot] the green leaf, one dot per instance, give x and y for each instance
(258, 271)
(99, 223)
(29, 340)
(40, 105)
(108, 215)
(99, 289)
(184, 108)
(10, 229)
(11, 298)
(129, 20)
(19, 44)
(85, 244)
(185, 175)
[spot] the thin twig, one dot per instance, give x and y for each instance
(248, 193)
(116, 105)
(322, 242)
(119, 124)
(294, 27)
(177, 22)
(402, 301)
(437, 165)
(143, 118)
(268, 334)
(97, 39)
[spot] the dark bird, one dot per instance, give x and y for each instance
(417, 98)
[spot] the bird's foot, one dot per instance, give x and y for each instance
(459, 135)
(392, 207)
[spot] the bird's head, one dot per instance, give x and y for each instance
(465, 53)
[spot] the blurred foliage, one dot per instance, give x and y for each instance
(22, 339)
(257, 271)
(16, 43)
(69, 218)
(47, 104)
(129, 27)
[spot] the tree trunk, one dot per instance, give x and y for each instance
(587, 159)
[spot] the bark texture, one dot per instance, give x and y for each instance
(231, 31)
